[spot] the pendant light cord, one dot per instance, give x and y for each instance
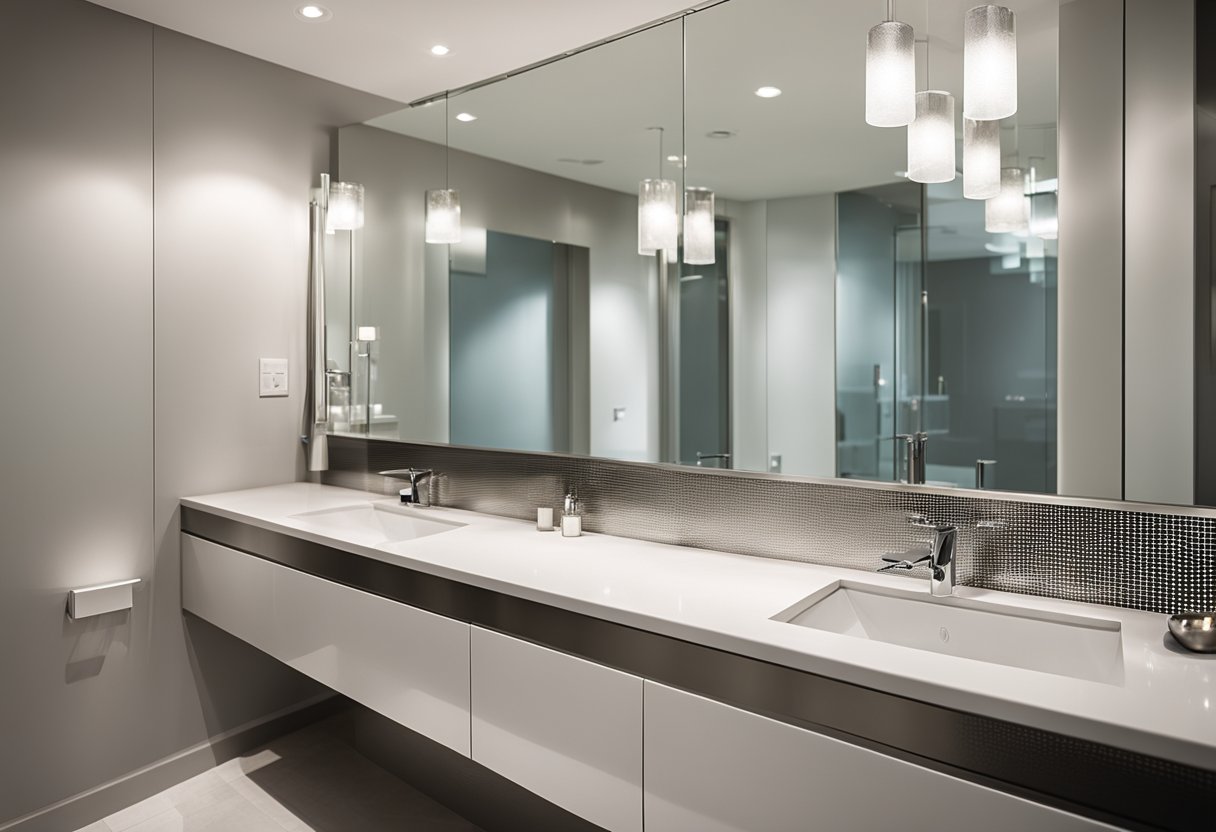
(660, 153)
(447, 143)
(890, 10)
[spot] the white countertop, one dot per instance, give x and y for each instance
(1163, 706)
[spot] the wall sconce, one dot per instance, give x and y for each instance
(345, 207)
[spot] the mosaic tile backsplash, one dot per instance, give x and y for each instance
(1145, 560)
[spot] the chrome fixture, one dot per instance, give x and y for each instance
(418, 492)
(318, 387)
(938, 554)
(723, 458)
(983, 477)
(915, 448)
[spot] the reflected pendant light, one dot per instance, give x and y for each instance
(443, 204)
(658, 211)
(698, 226)
(443, 216)
(345, 206)
(1006, 212)
(981, 159)
(990, 64)
(1044, 216)
(931, 138)
(890, 73)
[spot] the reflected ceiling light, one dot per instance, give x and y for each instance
(890, 73)
(1044, 216)
(981, 159)
(931, 138)
(443, 216)
(466, 117)
(658, 211)
(345, 206)
(439, 50)
(1006, 212)
(698, 226)
(442, 223)
(313, 13)
(990, 64)
(768, 92)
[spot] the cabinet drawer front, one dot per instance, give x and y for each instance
(714, 768)
(567, 729)
(410, 665)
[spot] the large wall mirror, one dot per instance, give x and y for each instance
(815, 309)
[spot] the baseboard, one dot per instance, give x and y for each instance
(85, 808)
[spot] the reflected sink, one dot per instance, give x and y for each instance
(1066, 645)
(374, 524)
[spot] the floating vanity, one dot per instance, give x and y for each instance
(635, 683)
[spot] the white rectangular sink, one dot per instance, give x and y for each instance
(374, 524)
(1066, 645)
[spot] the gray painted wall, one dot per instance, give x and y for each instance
(151, 224)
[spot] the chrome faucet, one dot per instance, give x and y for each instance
(418, 492)
(938, 554)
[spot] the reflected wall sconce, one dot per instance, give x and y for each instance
(345, 207)
(981, 158)
(890, 73)
(443, 204)
(698, 226)
(1006, 213)
(658, 211)
(990, 64)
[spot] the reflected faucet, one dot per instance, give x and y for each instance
(418, 492)
(938, 554)
(915, 447)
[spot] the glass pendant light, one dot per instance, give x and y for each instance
(931, 144)
(981, 158)
(1044, 217)
(698, 226)
(931, 138)
(1006, 212)
(345, 206)
(990, 64)
(443, 204)
(890, 73)
(658, 211)
(443, 216)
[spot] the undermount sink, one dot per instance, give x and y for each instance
(1066, 645)
(374, 524)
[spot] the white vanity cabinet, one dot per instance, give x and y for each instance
(567, 729)
(714, 768)
(405, 663)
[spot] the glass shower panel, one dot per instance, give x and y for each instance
(878, 270)
(704, 359)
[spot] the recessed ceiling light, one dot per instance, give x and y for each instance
(440, 50)
(313, 13)
(466, 117)
(768, 92)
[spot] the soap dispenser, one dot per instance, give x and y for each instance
(572, 517)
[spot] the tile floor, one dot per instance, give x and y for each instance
(308, 781)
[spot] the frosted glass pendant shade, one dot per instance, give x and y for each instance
(658, 217)
(990, 64)
(698, 226)
(931, 138)
(1044, 219)
(345, 206)
(1006, 212)
(981, 159)
(890, 75)
(443, 216)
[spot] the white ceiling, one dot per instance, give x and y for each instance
(812, 139)
(383, 46)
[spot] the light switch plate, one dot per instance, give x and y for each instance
(272, 377)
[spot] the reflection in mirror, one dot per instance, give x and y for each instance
(819, 314)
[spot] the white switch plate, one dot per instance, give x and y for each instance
(272, 377)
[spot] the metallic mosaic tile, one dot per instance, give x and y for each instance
(1147, 560)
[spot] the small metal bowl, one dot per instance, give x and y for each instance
(1196, 631)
